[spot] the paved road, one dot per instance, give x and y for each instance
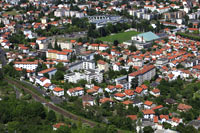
(50, 105)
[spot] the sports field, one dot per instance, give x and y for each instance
(121, 37)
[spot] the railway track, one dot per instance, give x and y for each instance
(50, 105)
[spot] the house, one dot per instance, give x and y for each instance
(95, 90)
(195, 124)
(183, 107)
(119, 96)
(170, 101)
(88, 100)
(57, 91)
(148, 104)
(58, 125)
(148, 113)
(78, 91)
(127, 103)
(132, 117)
(102, 65)
(117, 66)
(110, 89)
(104, 100)
(42, 42)
(164, 118)
(41, 80)
(155, 92)
(49, 71)
(129, 93)
(137, 102)
(140, 91)
(175, 121)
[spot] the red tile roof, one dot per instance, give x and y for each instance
(148, 111)
(57, 89)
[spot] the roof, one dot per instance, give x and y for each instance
(119, 95)
(148, 103)
(184, 107)
(47, 70)
(103, 100)
(132, 117)
(57, 125)
(127, 102)
(148, 36)
(87, 98)
(148, 111)
(57, 89)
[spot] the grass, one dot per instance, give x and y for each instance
(11, 13)
(63, 39)
(121, 37)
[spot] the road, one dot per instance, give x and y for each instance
(51, 105)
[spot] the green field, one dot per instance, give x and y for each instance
(11, 13)
(121, 37)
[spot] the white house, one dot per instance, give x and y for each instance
(26, 65)
(110, 89)
(57, 91)
(148, 113)
(119, 96)
(78, 91)
(155, 92)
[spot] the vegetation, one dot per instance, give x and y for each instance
(121, 37)
(189, 36)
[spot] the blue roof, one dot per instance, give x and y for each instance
(149, 36)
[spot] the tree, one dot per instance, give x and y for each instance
(116, 42)
(59, 75)
(134, 82)
(46, 75)
(51, 116)
(50, 46)
(1, 75)
(148, 129)
(13, 126)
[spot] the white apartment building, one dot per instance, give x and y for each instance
(26, 65)
(146, 73)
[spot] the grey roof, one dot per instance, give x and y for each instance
(195, 123)
(149, 36)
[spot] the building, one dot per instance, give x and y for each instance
(78, 91)
(144, 40)
(57, 91)
(102, 65)
(49, 71)
(146, 73)
(88, 75)
(103, 20)
(26, 65)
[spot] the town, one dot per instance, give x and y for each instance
(131, 64)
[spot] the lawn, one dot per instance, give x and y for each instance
(121, 37)
(11, 13)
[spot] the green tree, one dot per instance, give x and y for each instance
(59, 75)
(51, 116)
(115, 42)
(13, 126)
(134, 82)
(148, 129)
